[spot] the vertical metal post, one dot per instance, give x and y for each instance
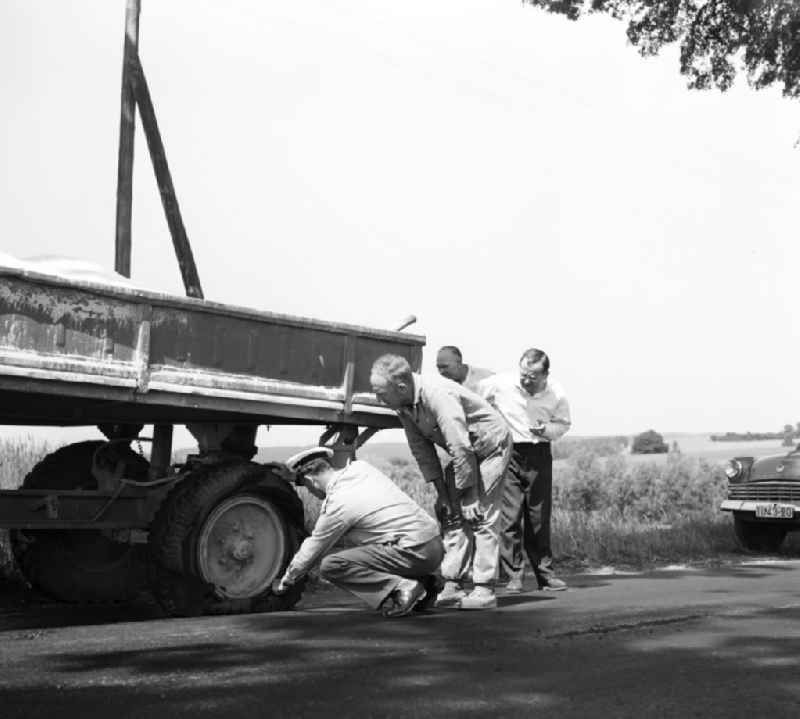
(127, 127)
(344, 448)
(161, 454)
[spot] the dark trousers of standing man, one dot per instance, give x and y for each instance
(526, 510)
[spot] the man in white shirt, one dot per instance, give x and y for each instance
(394, 545)
(536, 410)
(450, 364)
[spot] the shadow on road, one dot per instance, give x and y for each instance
(341, 660)
(448, 664)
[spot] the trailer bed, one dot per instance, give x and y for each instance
(74, 352)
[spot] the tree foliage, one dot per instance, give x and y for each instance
(649, 442)
(717, 38)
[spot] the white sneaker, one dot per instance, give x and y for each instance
(451, 595)
(479, 598)
(514, 586)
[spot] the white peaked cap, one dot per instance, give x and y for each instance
(297, 461)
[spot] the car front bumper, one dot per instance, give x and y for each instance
(749, 505)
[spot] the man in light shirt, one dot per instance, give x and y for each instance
(450, 364)
(536, 410)
(435, 411)
(394, 545)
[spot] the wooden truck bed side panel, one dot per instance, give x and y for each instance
(125, 338)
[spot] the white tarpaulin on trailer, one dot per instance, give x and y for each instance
(70, 268)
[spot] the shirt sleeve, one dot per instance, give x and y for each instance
(452, 422)
(424, 451)
(331, 526)
(486, 388)
(560, 422)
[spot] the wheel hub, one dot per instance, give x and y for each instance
(241, 551)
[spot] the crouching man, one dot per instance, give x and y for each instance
(394, 549)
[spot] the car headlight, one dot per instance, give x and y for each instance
(733, 470)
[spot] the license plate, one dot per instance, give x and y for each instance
(775, 511)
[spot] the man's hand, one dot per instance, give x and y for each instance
(280, 586)
(538, 429)
(470, 507)
(471, 512)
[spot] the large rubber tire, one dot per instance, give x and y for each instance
(79, 565)
(758, 536)
(221, 537)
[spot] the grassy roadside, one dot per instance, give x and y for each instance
(608, 510)
(17, 457)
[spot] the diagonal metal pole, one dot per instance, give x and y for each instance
(127, 127)
(183, 250)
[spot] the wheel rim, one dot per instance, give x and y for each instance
(242, 546)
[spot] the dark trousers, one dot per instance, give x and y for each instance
(527, 506)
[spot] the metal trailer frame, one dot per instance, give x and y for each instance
(75, 353)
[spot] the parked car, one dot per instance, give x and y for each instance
(764, 497)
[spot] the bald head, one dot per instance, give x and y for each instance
(449, 363)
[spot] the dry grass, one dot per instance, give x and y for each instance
(671, 514)
(605, 507)
(17, 457)
(604, 537)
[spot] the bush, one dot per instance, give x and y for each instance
(681, 487)
(649, 442)
(612, 510)
(582, 485)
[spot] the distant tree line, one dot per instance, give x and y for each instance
(745, 436)
(788, 435)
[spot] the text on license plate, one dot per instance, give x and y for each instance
(775, 511)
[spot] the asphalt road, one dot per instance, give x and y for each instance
(711, 642)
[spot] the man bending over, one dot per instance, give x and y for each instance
(435, 411)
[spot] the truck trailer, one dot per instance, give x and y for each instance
(102, 520)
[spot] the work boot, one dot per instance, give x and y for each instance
(451, 595)
(433, 586)
(403, 598)
(481, 597)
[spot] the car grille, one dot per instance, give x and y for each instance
(767, 491)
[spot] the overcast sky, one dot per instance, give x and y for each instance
(511, 178)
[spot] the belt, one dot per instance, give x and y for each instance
(525, 445)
